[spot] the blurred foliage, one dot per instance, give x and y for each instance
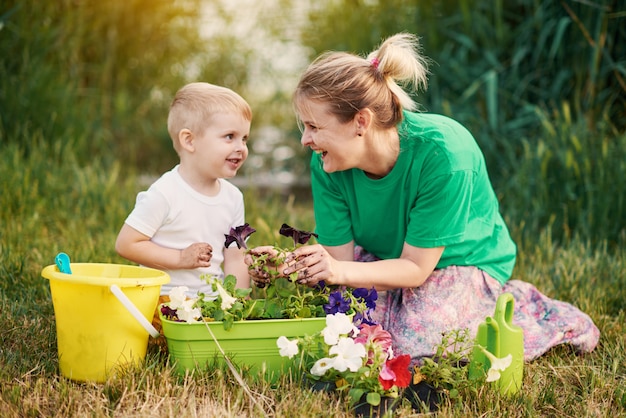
(495, 61)
(540, 83)
(102, 74)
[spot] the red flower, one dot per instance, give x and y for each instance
(396, 372)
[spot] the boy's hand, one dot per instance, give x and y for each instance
(196, 255)
(259, 273)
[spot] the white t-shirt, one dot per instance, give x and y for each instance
(175, 216)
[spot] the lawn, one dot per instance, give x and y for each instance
(51, 203)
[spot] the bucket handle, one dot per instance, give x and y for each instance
(128, 304)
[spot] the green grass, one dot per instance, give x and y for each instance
(50, 203)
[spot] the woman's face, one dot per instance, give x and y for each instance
(337, 143)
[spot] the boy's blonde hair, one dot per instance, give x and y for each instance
(195, 104)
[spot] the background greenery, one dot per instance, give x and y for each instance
(541, 84)
(84, 91)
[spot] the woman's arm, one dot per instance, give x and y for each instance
(334, 265)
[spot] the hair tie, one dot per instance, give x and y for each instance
(375, 63)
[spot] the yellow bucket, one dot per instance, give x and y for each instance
(101, 312)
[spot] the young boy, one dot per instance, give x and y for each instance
(178, 224)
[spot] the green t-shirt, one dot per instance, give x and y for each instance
(437, 194)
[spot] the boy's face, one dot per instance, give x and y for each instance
(222, 149)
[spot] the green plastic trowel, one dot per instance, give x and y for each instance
(500, 337)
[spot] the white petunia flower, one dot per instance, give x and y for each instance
(337, 325)
(497, 365)
(189, 315)
(287, 348)
(178, 296)
(349, 355)
(227, 300)
(321, 366)
(186, 312)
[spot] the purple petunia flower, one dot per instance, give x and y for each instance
(367, 318)
(369, 296)
(238, 235)
(170, 313)
(337, 303)
(363, 318)
(298, 236)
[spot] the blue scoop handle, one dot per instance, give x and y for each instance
(62, 261)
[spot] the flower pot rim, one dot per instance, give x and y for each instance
(268, 320)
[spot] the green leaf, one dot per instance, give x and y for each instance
(254, 308)
(228, 322)
(305, 312)
(373, 398)
(230, 282)
(242, 293)
(284, 287)
(271, 291)
(355, 395)
(274, 310)
(218, 315)
(237, 307)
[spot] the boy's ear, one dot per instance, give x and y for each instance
(185, 139)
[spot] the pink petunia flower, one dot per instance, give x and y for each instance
(375, 334)
(377, 340)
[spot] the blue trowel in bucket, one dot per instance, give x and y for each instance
(62, 261)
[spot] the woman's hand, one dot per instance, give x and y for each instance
(313, 264)
(335, 265)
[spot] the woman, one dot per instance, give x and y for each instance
(409, 192)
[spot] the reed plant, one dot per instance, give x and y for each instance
(540, 84)
(566, 179)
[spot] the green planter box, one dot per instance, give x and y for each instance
(251, 345)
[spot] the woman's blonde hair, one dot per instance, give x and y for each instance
(350, 83)
(195, 104)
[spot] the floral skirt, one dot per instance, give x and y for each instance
(461, 297)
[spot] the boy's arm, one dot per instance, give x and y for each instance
(234, 264)
(137, 247)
